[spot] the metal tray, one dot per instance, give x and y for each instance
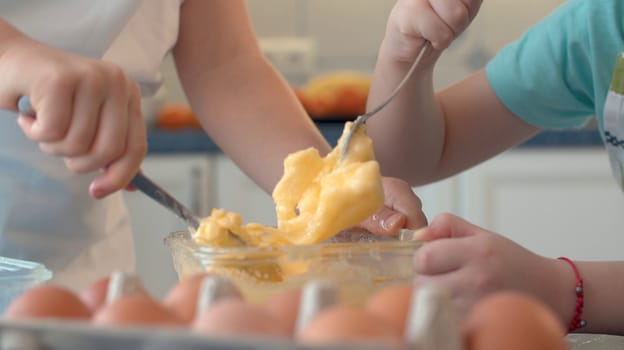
(66, 335)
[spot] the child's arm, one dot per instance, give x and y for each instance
(423, 136)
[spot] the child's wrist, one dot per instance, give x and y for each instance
(9, 35)
(578, 290)
(401, 54)
(397, 51)
(566, 295)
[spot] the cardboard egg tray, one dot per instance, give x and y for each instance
(64, 335)
(431, 328)
(427, 329)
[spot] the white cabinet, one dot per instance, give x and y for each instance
(189, 179)
(552, 201)
(440, 197)
(236, 192)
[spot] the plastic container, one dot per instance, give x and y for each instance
(357, 263)
(18, 275)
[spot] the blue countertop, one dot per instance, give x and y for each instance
(196, 141)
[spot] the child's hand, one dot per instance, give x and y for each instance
(471, 263)
(87, 111)
(403, 209)
(437, 21)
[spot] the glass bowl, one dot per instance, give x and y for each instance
(358, 263)
(16, 276)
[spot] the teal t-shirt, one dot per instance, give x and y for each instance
(558, 73)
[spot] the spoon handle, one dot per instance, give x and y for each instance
(24, 106)
(152, 190)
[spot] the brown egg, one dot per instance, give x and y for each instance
(182, 298)
(392, 305)
(48, 301)
(513, 321)
(136, 309)
(284, 306)
(94, 296)
(235, 316)
(348, 324)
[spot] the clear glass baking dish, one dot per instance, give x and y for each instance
(359, 264)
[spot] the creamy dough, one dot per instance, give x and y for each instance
(316, 198)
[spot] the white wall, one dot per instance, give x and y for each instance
(348, 33)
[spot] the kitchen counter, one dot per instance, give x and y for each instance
(595, 342)
(196, 141)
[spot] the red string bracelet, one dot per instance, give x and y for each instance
(577, 321)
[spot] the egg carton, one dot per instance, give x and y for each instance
(429, 329)
(64, 335)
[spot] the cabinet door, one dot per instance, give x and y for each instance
(554, 202)
(189, 179)
(237, 192)
(439, 197)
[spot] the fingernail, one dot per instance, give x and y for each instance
(391, 222)
(96, 191)
(419, 235)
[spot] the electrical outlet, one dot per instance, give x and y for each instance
(294, 57)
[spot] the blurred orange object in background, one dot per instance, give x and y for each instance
(338, 94)
(174, 116)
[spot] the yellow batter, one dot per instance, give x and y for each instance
(316, 198)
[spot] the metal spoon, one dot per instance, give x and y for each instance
(152, 190)
(362, 118)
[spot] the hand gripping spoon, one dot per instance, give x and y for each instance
(140, 182)
(362, 118)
